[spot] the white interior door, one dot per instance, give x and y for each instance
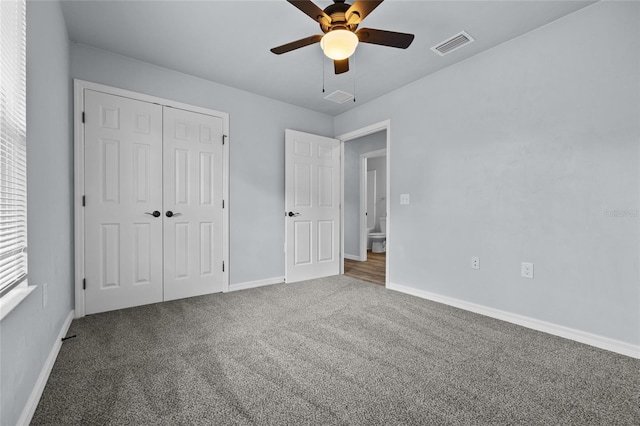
(192, 204)
(312, 206)
(123, 240)
(371, 199)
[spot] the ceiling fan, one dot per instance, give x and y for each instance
(339, 22)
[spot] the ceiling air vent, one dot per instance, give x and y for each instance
(339, 97)
(455, 42)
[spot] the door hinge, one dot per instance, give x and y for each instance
(223, 266)
(84, 201)
(223, 204)
(83, 116)
(84, 283)
(223, 138)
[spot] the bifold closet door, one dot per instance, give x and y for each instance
(123, 189)
(192, 203)
(153, 210)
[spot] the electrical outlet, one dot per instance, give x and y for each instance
(527, 270)
(475, 262)
(404, 199)
(45, 296)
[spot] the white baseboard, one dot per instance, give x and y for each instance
(257, 283)
(32, 403)
(546, 327)
(352, 257)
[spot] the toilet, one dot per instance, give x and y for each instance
(379, 239)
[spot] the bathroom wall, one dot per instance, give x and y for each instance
(352, 151)
(379, 164)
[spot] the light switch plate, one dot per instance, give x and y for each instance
(404, 199)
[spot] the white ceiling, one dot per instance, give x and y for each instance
(228, 41)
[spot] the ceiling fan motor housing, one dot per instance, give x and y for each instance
(337, 12)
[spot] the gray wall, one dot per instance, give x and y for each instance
(527, 152)
(352, 151)
(379, 164)
(257, 127)
(27, 334)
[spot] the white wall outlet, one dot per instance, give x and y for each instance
(475, 262)
(404, 199)
(527, 270)
(45, 296)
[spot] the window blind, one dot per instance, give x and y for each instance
(13, 158)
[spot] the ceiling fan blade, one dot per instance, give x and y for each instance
(312, 11)
(385, 38)
(341, 66)
(296, 44)
(360, 9)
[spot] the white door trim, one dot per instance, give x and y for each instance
(363, 199)
(358, 133)
(78, 147)
(367, 205)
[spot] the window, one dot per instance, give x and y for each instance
(13, 161)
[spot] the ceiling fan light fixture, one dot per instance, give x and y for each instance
(339, 44)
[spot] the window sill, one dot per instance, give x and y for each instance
(12, 299)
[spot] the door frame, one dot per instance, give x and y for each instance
(79, 87)
(363, 236)
(358, 133)
(367, 206)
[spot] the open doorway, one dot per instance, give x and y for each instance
(365, 221)
(370, 264)
(373, 203)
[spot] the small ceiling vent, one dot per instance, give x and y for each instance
(455, 42)
(339, 97)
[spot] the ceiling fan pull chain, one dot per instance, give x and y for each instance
(323, 62)
(354, 77)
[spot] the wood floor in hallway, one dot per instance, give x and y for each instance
(372, 270)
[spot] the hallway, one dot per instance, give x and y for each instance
(372, 270)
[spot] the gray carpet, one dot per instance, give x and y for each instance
(329, 351)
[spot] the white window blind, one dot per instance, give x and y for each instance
(13, 158)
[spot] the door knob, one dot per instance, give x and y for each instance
(292, 214)
(169, 213)
(156, 213)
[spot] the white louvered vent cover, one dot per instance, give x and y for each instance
(339, 97)
(455, 42)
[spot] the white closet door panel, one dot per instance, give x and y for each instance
(193, 193)
(123, 175)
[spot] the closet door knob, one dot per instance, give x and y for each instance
(154, 214)
(169, 213)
